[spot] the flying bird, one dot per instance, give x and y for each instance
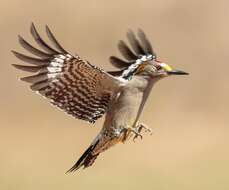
(87, 92)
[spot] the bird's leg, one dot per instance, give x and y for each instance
(128, 132)
(137, 133)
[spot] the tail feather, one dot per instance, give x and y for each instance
(86, 160)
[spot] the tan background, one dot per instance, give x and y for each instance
(189, 115)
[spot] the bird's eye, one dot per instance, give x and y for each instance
(157, 64)
(158, 67)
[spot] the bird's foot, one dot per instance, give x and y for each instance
(141, 126)
(128, 133)
(137, 134)
(139, 129)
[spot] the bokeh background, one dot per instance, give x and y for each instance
(189, 115)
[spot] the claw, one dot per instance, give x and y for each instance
(137, 134)
(143, 126)
(128, 133)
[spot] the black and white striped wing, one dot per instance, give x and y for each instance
(140, 50)
(74, 85)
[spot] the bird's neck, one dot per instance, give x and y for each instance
(147, 85)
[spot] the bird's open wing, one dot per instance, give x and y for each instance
(74, 85)
(141, 51)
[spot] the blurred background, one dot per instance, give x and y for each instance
(189, 115)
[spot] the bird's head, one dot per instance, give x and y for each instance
(141, 61)
(156, 69)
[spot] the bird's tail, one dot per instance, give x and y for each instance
(87, 159)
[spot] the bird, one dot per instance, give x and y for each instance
(87, 92)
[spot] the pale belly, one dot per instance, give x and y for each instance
(125, 110)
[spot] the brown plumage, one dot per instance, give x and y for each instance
(74, 85)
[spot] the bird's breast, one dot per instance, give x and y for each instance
(125, 108)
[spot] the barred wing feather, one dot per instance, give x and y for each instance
(74, 85)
